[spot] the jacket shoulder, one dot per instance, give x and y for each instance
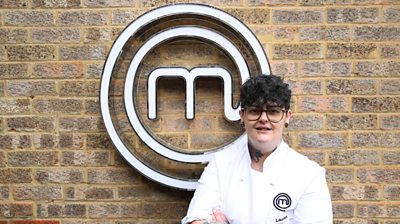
(233, 152)
(301, 163)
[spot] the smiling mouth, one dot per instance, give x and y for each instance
(263, 129)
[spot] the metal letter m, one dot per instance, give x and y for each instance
(190, 78)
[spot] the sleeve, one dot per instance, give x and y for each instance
(315, 204)
(206, 197)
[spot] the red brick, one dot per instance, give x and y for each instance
(34, 222)
(343, 210)
(114, 210)
(113, 176)
(162, 210)
(61, 210)
(51, 70)
(21, 209)
(323, 104)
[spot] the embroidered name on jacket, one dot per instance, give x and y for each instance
(281, 219)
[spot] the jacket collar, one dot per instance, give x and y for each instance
(274, 163)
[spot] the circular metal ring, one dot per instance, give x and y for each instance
(133, 28)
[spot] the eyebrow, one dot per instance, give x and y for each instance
(266, 108)
(267, 105)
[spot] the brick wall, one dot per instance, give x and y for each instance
(57, 164)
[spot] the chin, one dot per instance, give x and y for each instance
(266, 141)
(262, 140)
(264, 137)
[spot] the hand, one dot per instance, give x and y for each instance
(219, 217)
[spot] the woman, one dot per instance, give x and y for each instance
(262, 180)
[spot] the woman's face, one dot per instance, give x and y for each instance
(263, 134)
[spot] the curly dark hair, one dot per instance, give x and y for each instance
(263, 90)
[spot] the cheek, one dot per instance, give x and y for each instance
(248, 125)
(279, 127)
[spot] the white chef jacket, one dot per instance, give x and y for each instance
(291, 189)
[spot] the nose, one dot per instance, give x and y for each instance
(263, 116)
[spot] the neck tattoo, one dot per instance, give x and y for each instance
(257, 154)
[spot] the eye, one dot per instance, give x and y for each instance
(274, 111)
(253, 110)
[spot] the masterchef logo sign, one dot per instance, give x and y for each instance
(131, 94)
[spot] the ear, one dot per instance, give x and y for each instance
(241, 113)
(288, 116)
